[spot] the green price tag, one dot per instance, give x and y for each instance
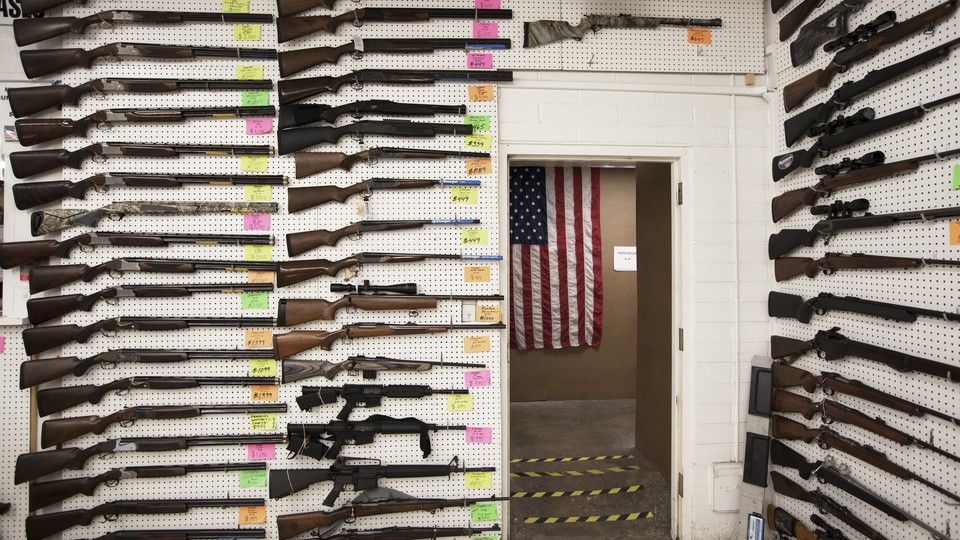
(956, 176)
(483, 512)
(253, 300)
(254, 98)
(250, 479)
(480, 122)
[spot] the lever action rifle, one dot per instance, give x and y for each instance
(786, 376)
(303, 198)
(365, 365)
(33, 99)
(788, 267)
(291, 140)
(42, 526)
(795, 307)
(833, 23)
(31, 162)
(17, 253)
(784, 523)
(33, 465)
(289, 28)
(44, 494)
(28, 31)
(187, 534)
(294, 311)
(788, 488)
(29, 194)
(787, 240)
(309, 439)
(300, 114)
(292, 90)
(365, 395)
(31, 131)
(310, 163)
(409, 533)
(292, 62)
(297, 341)
(301, 242)
(537, 33)
(40, 62)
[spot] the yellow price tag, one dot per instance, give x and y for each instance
(253, 164)
(262, 368)
(252, 72)
(478, 141)
(463, 195)
(257, 192)
(259, 339)
(260, 276)
(257, 253)
(489, 314)
(478, 167)
(459, 402)
(476, 274)
(263, 392)
(250, 515)
(473, 237)
(246, 32)
(263, 421)
(478, 480)
(476, 344)
(480, 92)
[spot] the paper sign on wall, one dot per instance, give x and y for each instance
(625, 258)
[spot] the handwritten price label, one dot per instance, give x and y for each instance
(263, 392)
(259, 126)
(256, 222)
(480, 122)
(262, 368)
(479, 60)
(252, 98)
(252, 72)
(258, 253)
(236, 6)
(246, 32)
(486, 29)
(473, 237)
(254, 300)
(249, 479)
(955, 233)
(698, 36)
(476, 344)
(488, 314)
(956, 176)
(253, 163)
(478, 480)
(259, 276)
(479, 435)
(258, 192)
(486, 4)
(483, 512)
(263, 421)
(479, 167)
(259, 339)
(250, 515)
(476, 274)
(261, 452)
(459, 402)
(478, 141)
(463, 195)
(480, 92)
(477, 378)
(3, 343)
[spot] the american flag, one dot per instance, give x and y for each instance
(556, 283)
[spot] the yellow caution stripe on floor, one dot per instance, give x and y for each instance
(536, 474)
(590, 519)
(577, 493)
(562, 459)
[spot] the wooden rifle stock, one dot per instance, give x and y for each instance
(292, 7)
(60, 430)
(793, 20)
(785, 376)
(310, 163)
(298, 311)
(297, 341)
(784, 401)
(781, 521)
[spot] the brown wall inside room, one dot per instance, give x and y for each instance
(607, 371)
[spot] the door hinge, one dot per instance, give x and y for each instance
(680, 484)
(681, 338)
(679, 193)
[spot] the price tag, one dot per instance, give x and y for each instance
(479, 480)
(698, 36)
(251, 72)
(459, 402)
(254, 300)
(254, 98)
(256, 222)
(250, 515)
(476, 274)
(260, 276)
(259, 339)
(256, 478)
(479, 435)
(236, 6)
(486, 29)
(478, 167)
(3, 343)
(473, 237)
(263, 421)
(258, 253)
(480, 122)
(265, 392)
(478, 141)
(956, 176)
(253, 163)
(261, 452)
(246, 32)
(258, 192)
(955, 233)
(479, 60)
(480, 92)
(463, 195)
(486, 4)
(488, 314)
(262, 368)
(259, 126)
(483, 512)
(476, 344)
(477, 378)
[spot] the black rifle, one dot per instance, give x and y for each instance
(60, 430)
(291, 140)
(826, 531)
(43, 494)
(788, 267)
(31, 162)
(826, 472)
(28, 31)
(33, 99)
(307, 439)
(839, 209)
(309, 163)
(788, 488)
(302, 198)
(29, 194)
(364, 395)
(292, 90)
(187, 534)
(796, 92)
(33, 465)
(54, 400)
(842, 122)
(862, 32)
(408, 533)
(367, 366)
(304, 241)
(292, 62)
(830, 345)
(18, 253)
(358, 474)
(787, 240)
(40, 62)
(31, 131)
(833, 23)
(42, 526)
(793, 306)
(43, 338)
(294, 27)
(784, 164)
(300, 114)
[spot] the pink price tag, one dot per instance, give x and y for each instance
(3, 343)
(479, 61)
(477, 378)
(256, 222)
(479, 435)
(486, 29)
(259, 126)
(486, 4)
(261, 452)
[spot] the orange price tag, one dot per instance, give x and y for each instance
(476, 344)
(955, 233)
(252, 514)
(476, 274)
(258, 339)
(262, 392)
(259, 276)
(480, 92)
(478, 167)
(698, 36)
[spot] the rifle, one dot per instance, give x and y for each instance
(364, 395)
(796, 92)
(54, 400)
(795, 307)
(786, 376)
(291, 140)
(289, 28)
(297, 341)
(796, 127)
(31, 162)
(308, 439)
(40, 62)
(33, 465)
(26, 195)
(303, 198)
(301, 242)
(43, 338)
(42, 526)
(310, 163)
(365, 365)
(784, 523)
(28, 31)
(292, 272)
(292, 90)
(31, 131)
(32, 7)
(786, 429)
(788, 488)
(787, 267)
(301, 114)
(784, 164)
(292, 7)
(187, 534)
(827, 473)
(29, 100)
(357, 473)
(787, 240)
(825, 531)
(832, 411)
(409, 533)
(294, 311)
(833, 23)
(17, 253)
(292, 62)
(61, 430)
(537, 33)
(44, 494)
(57, 219)
(848, 172)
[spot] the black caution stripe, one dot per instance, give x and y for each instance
(562, 459)
(539, 474)
(590, 519)
(576, 493)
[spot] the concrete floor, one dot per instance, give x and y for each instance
(546, 429)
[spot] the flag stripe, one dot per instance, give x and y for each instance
(545, 298)
(578, 249)
(596, 288)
